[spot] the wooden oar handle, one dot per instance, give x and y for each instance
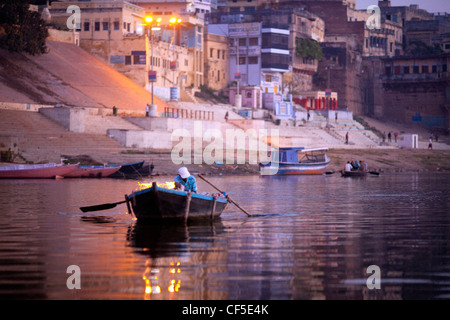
(227, 196)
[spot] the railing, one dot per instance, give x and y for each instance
(187, 114)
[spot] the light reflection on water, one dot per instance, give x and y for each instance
(310, 238)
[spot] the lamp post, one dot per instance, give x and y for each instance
(328, 92)
(149, 20)
(173, 22)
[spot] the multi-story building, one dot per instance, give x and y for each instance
(112, 31)
(262, 46)
(415, 89)
(115, 32)
(216, 61)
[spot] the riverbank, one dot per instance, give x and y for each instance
(381, 160)
(393, 160)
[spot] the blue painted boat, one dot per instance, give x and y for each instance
(296, 161)
(156, 203)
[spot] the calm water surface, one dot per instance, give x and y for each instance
(311, 237)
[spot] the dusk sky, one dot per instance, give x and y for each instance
(429, 5)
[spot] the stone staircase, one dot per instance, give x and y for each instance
(40, 139)
(101, 124)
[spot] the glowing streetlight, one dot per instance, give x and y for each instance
(173, 21)
(149, 22)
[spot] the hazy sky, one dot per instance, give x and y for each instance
(429, 5)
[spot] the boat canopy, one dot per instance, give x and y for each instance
(291, 155)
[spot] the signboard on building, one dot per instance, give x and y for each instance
(139, 57)
(250, 51)
(237, 76)
(152, 76)
(117, 60)
(244, 29)
(173, 65)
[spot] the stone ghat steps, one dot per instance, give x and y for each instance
(39, 139)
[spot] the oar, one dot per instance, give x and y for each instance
(100, 207)
(228, 197)
(374, 173)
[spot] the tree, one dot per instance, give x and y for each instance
(21, 30)
(307, 48)
(417, 48)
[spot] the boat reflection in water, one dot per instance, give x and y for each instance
(171, 247)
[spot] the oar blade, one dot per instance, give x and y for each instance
(99, 207)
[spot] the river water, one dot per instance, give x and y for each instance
(310, 237)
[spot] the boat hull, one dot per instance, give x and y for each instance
(164, 204)
(294, 169)
(353, 173)
(133, 170)
(93, 172)
(38, 171)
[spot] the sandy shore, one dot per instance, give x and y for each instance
(382, 160)
(393, 160)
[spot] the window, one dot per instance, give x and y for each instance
(253, 41)
(406, 69)
(97, 26)
(218, 54)
(86, 26)
(127, 60)
(242, 60)
(242, 42)
(388, 70)
(211, 52)
(223, 54)
(268, 78)
(218, 75)
(397, 70)
(252, 60)
(105, 26)
(444, 67)
(116, 25)
(425, 69)
(415, 69)
(434, 68)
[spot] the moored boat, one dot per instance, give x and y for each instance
(355, 173)
(36, 171)
(93, 171)
(133, 170)
(156, 203)
(296, 161)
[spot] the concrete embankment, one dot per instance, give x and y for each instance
(36, 138)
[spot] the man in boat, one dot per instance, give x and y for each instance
(184, 181)
(348, 166)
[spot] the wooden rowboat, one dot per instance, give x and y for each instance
(36, 171)
(156, 203)
(353, 173)
(93, 171)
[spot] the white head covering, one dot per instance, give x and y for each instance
(184, 173)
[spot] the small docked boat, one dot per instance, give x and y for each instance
(93, 171)
(133, 170)
(36, 171)
(156, 203)
(296, 161)
(355, 173)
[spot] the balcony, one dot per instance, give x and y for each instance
(416, 77)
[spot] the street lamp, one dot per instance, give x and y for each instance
(149, 22)
(173, 21)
